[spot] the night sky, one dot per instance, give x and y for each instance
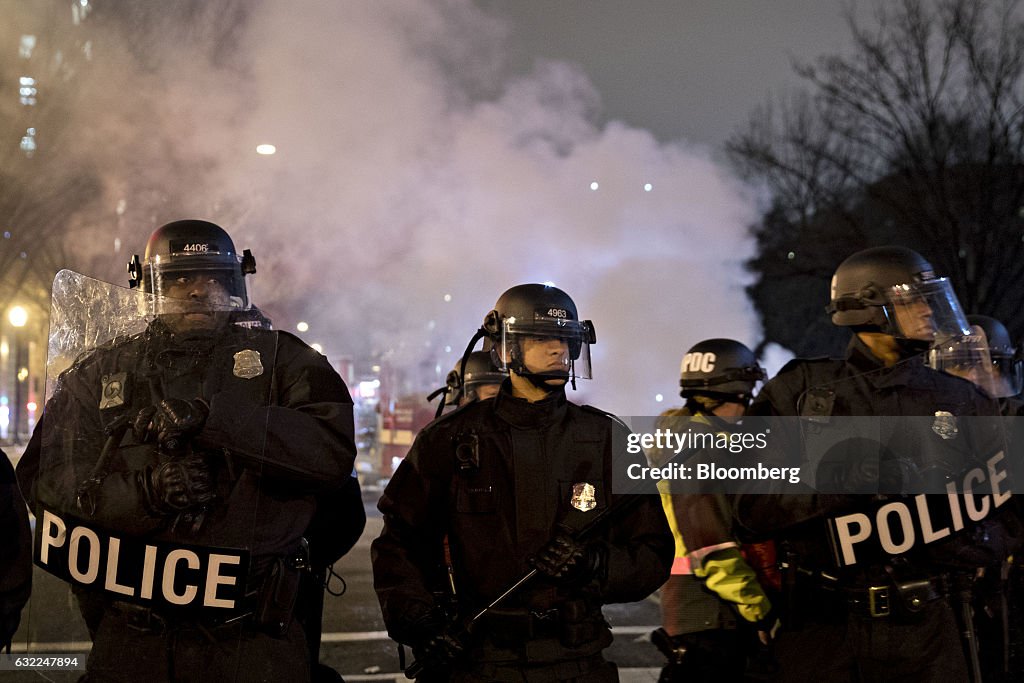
(690, 69)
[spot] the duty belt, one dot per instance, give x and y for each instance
(151, 621)
(523, 624)
(904, 597)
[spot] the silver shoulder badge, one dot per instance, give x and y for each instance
(248, 364)
(583, 498)
(112, 394)
(945, 425)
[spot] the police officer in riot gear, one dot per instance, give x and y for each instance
(722, 370)
(988, 358)
(511, 482)
(1007, 367)
(482, 380)
(332, 533)
(204, 440)
(853, 613)
(712, 582)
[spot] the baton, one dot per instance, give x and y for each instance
(624, 503)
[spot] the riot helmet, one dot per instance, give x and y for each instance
(537, 334)
(1007, 368)
(986, 356)
(192, 276)
(894, 290)
(996, 334)
(721, 368)
(192, 246)
(480, 372)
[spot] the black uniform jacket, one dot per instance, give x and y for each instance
(860, 385)
(280, 430)
(496, 477)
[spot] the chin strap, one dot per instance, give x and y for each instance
(540, 380)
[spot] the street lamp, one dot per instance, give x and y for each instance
(18, 317)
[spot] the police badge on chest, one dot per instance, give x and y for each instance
(583, 498)
(114, 390)
(248, 364)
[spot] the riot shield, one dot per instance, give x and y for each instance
(150, 543)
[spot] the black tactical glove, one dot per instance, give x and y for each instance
(435, 645)
(178, 485)
(171, 423)
(567, 560)
(768, 627)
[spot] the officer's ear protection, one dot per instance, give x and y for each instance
(134, 271)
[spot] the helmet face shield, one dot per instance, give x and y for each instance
(483, 387)
(994, 371)
(926, 311)
(967, 357)
(555, 346)
(475, 383)
(1008, 375)
(227, 288)
(201, 296)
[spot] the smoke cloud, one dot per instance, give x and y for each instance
(416, 178)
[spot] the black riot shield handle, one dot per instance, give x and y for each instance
(621, 506)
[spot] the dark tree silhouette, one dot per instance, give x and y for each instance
(916, 137)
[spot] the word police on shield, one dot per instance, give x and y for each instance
(148, 572)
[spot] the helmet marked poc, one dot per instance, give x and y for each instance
(721, 368)
(698, 362)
